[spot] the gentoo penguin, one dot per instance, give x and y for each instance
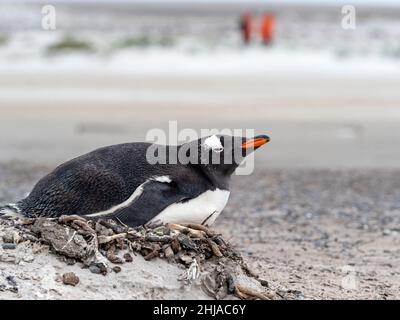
(121, 182)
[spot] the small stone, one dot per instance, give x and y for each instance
(186, 259)
(176, 247)
(117, 269)
(16, 237)
(9, 246)
(98, 268)
(70, 279)
(128, 257)
(70, 261)
(8, 237)
(263, 282)
(94, 269)
(28, 258)
(114, 259)
(168, 252)
(103, 268)
(11, 281)
(40, 248)
(9, 258)
(12, 237)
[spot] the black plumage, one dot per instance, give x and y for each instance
(106, 177)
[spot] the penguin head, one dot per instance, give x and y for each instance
(220, 155)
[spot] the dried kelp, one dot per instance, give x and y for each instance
(98, 243)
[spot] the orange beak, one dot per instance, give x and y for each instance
(255, 143)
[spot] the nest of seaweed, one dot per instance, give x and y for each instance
(104, 245)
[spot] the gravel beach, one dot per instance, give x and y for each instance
(312, 234)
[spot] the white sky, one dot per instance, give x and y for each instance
(352, 2)
(355, 2)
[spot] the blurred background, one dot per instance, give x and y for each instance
(112, 70)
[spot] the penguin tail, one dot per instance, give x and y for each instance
(10, 211)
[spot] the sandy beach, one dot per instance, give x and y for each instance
(314, 121)
(312, 234)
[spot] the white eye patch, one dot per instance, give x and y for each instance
(213, 143)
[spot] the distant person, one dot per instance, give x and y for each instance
(267, 28)
(245, 27)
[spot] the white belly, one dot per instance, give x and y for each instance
(207, 206)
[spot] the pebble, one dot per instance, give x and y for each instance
(9, 258)
(11, 281)
(9, 246)
(8, 238)
(28, 258)
(11, 237)
(114, 259)
(128, 257)
(70, 278)
(117, 269)
(94, 269)
(169, 253)
(40, 248)
(98, 268)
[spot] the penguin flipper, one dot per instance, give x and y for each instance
(151, 198)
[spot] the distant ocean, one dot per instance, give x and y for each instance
(177, 40)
